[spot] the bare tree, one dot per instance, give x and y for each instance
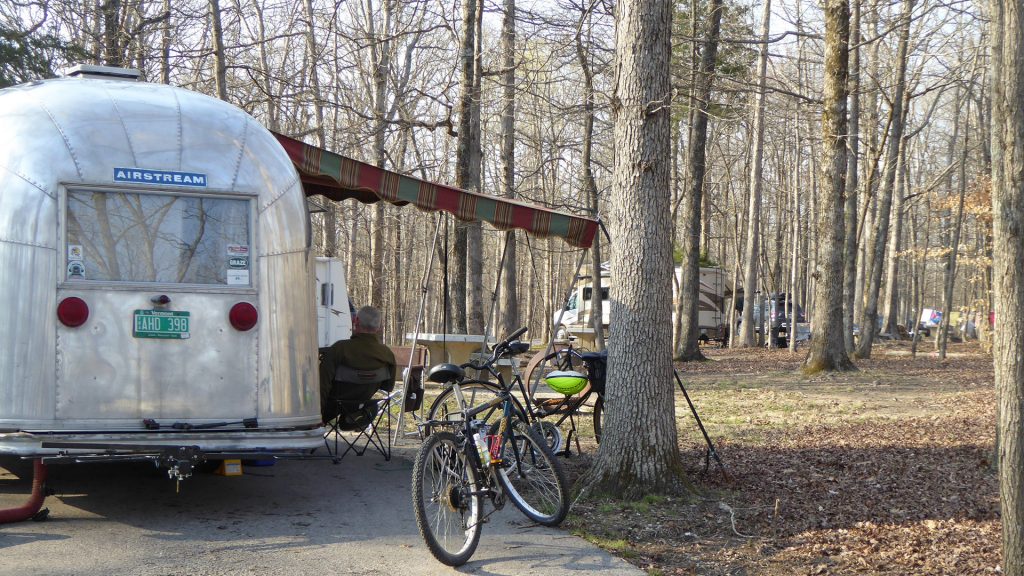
(509, 292)
(852, 182)
(589, 183)
(464, 160)
(876, 252)
(828, 346)
(750, 273)
(687, 347)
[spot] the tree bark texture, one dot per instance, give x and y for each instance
(689, 285)
(1007, 71)
(750, 299)
(828, 345)
(638, 452)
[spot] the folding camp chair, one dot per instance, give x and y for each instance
(362, 401)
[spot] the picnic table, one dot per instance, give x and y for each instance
(454, 348)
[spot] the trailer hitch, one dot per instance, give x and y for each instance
(179, 460)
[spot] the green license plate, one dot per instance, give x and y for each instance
(160, 324)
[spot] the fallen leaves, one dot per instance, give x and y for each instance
(900, 485)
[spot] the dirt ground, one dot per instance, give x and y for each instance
(886, 470)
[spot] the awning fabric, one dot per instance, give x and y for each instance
(339, 178)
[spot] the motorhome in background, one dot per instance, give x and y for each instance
(157, 276)
(576, 317)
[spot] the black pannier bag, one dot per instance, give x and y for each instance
(597, 369)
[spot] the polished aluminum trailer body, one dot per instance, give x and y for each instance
(145, 200)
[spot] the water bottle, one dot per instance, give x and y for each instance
(480, 439)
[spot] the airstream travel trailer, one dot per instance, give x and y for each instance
(156, 277)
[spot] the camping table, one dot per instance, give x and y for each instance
(459, 346)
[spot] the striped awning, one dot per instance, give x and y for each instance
(339, 178)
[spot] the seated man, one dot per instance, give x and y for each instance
(364, 351)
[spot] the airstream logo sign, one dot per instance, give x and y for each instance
(144, 176)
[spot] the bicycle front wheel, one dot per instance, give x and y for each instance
(446, 499)
(531, 475)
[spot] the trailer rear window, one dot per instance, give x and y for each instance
(165, 238)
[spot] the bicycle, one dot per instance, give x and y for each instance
(485, 450)
(564, 406)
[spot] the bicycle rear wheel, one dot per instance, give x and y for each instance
(532, 477)
(446, 499)
(598, 415)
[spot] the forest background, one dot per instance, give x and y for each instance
(387, 82)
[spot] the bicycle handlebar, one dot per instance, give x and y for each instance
(499, 350)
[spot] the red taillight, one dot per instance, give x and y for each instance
(72, 311)
(243, 316)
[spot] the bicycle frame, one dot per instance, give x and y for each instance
(507, 401)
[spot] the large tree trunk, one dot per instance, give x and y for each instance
(869, 320)
(509, 296)
(750, 298)
(828, 345)
(638, 454)
(1008, 267)
(689, 285)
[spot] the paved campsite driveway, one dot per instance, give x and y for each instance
(294, 518)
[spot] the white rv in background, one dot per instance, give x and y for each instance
(576, 316)
(333, 310)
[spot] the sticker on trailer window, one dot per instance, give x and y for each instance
(238, 277)
(238, 262)
(238, 250)
(75, 252)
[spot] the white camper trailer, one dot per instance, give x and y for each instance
(156, 277)
(576, 318)
(333, 309)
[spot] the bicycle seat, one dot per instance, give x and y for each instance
(444, 373)
(594, 355)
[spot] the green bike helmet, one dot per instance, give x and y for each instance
(566, 382)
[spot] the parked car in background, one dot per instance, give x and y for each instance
(773, 318)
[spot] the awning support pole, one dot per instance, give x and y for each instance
(424, 285)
